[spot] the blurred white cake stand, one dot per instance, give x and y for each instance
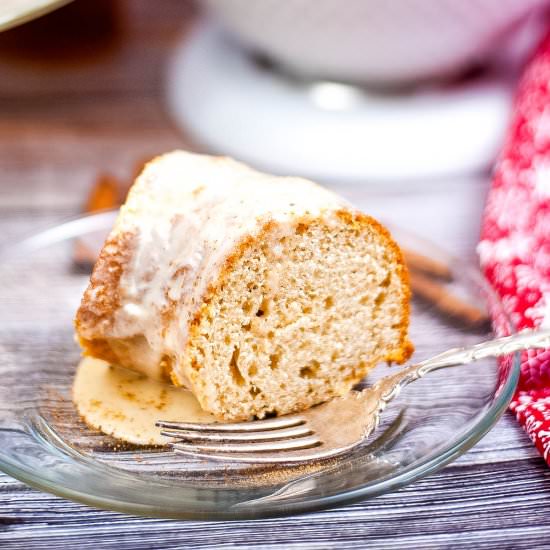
(331, 131)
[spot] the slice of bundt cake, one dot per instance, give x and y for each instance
(261, 294)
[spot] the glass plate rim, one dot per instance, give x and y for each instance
(82, 224)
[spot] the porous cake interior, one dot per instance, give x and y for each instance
(298, 318)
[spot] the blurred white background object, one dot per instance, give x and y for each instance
(328, 130)
(382, 41)
(353, 91)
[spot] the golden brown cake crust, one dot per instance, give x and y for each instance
(101, 299)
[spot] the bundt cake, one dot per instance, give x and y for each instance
(261, 294)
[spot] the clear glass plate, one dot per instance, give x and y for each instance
(45, 444)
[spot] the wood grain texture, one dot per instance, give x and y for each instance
(59, 126)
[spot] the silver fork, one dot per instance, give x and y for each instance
(330, 429)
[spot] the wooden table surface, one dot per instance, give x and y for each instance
(68, 111)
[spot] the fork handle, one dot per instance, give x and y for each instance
(389, 387)
(491, 348)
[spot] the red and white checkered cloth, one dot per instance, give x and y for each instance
(515, 242)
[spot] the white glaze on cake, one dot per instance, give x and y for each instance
(169, 212)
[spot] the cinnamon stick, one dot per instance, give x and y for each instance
(83, 257)
(104, 194)
(445, 301)
(428, 266)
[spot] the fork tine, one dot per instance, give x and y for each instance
(255, 426)
(287, 445)
(267, 435)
